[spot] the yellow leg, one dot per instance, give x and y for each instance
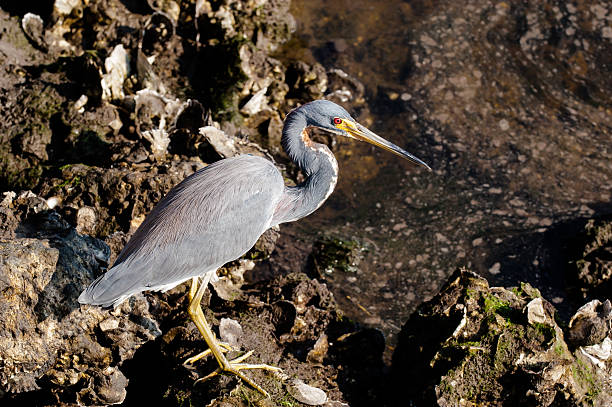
(225, 347)
(215, 348)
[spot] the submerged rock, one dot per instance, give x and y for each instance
(331, 254)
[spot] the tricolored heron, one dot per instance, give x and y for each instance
(217, 214)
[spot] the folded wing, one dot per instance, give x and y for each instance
(212, 217)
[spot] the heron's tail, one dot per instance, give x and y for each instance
(110, 289)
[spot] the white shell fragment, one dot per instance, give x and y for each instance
(52, 202)
(33, 27)
(536, 312)
(79, 105)
(230, 332)
(65, 7)
(219, 141)
(149, 105)
(116, 66)
(159, 141)
(146, 74)
(588, 310)
(319, 350)
(600, 353)
(306, 394)
(462, 323)
(109, 324)
(256, 104)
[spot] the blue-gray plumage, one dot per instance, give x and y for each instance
(217, 214)
(212, 217)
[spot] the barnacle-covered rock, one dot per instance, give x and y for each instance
(468, 343)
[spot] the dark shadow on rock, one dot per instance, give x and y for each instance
(157, 376)
(79, 75)
(544, 261)
(362, 375)
(38, 398)
(137, 6)
(213, 72)
(81, 259)
(149, 372)
(42, 8)
(419, 342)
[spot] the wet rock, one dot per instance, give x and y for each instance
(239, 69)
(231, 279)
(186, 138)
(26, 267)
(488, 339)
(158, 30)
(265, 128)
(8, 220)
(345, 89)
(24, 146)
(306, 82)
(266, 244)
(284, 315)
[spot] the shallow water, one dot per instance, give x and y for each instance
(516, 126)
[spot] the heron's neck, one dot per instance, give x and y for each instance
(318, 164)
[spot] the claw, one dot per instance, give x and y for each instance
(224, 348)
(235, 366)
(216, 348)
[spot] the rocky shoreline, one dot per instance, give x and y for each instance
(108, 104)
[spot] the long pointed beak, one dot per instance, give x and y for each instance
(362, 133)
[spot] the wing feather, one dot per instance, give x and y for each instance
(210, 218)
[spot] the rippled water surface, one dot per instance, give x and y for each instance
(509, 104)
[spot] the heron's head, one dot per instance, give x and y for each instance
(335, 119)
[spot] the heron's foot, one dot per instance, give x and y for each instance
(224, 348)
(235, 366)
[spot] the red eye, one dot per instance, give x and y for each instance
(337, 120)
